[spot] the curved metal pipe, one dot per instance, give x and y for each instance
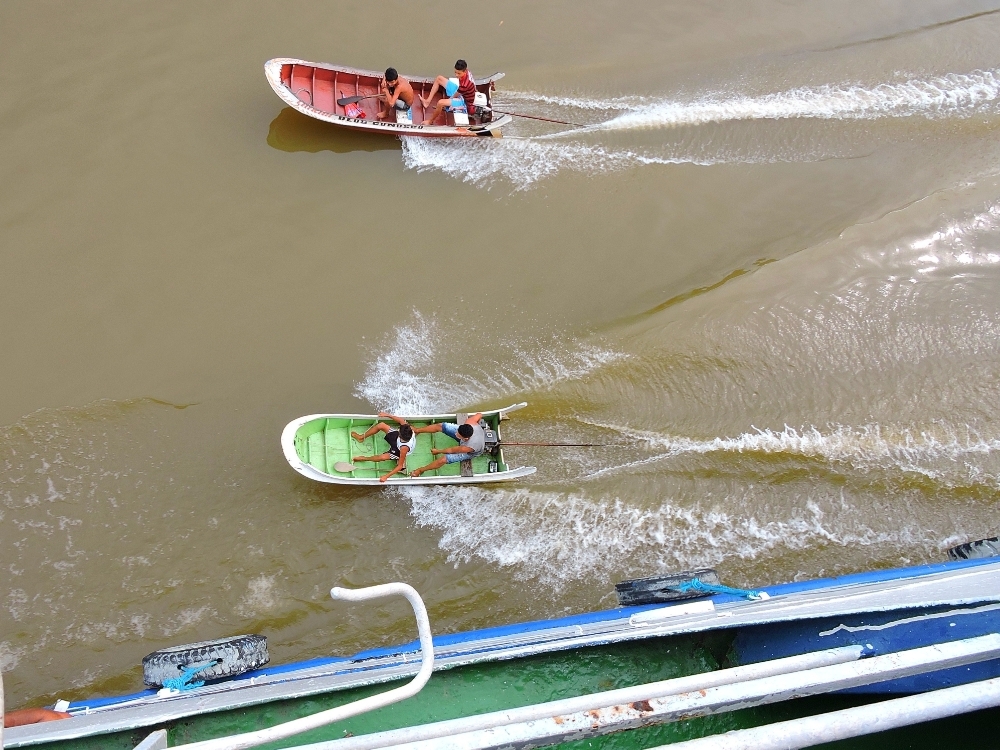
(296, 726)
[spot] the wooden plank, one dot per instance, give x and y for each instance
(465, 465)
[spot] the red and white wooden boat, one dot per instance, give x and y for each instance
(314, 88)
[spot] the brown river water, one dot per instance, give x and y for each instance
(766, 274)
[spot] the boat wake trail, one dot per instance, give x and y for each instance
(950, 457)
(556, 538)
(415, 374)
(534, 156)
(523, 161)
(952, 95)
(750, 498)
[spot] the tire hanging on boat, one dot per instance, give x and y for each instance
(223, 657)
(975, 550)
(656, 589)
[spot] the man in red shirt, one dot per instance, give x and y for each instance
(458, 91)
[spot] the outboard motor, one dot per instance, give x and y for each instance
(484, 113)
(492, 437)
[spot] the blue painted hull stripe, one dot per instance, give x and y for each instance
(609, 615)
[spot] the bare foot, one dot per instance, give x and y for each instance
(416, 473)
(357, 437)
(425, 102)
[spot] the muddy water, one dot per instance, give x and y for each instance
(764, 272)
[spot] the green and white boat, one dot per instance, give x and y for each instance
(316, 444)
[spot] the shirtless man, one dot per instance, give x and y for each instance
(397, 93)
(464, 90)
(401, 442)
(471, 443)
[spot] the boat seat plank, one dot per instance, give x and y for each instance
(365, 469)
(465, 467)
(323, 97)
(367, 446)
(421, 455)
(381, 446)
(302, 83)
(317, 451)
(443, 441)
(337, 447)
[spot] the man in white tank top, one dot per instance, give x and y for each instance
(401, 443)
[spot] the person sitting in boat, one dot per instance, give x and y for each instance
(396, 92)
(471, 442)
(459, 93)
(401, 443)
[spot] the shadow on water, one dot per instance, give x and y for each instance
(292, 131)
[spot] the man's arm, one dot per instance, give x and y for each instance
(400, 464)
(399, 420)
(474, 419)
(390, 99)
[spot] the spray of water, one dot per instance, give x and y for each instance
(554, 538)
(942, 453)
(522, 162)
(414, 374)
(952, 95)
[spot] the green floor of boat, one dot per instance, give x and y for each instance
(324, 442)
(489, 687)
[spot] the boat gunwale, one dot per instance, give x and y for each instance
(279, 61)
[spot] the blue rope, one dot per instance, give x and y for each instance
(186, 681)
(711, 588)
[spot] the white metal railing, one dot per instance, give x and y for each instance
(595, 701)
(629, 708)
(854, 722)
(296, 726)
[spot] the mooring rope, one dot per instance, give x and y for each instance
(712, 588)
(187, 680)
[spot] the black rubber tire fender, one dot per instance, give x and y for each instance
(657, 589)
(976, 550)
(232, 656)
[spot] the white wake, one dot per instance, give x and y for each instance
(416, 373)
(524, 161)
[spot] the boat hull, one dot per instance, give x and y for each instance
(313, 89)
(490, 668)
(314, 444)
(882, 632)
